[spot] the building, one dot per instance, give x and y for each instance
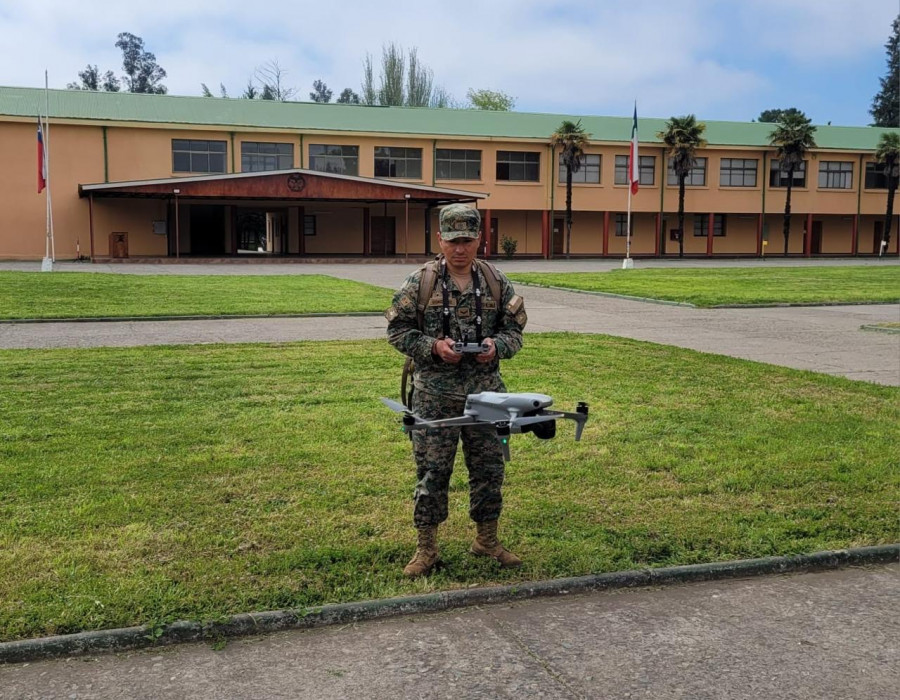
(158, 176)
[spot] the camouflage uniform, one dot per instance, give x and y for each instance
(441, 389)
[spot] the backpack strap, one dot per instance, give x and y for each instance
(426, 287)
(492, 277)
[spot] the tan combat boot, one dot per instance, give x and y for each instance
(486, 544)
(426, 555)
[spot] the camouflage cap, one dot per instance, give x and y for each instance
(459, 221)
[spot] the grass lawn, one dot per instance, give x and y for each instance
(740, 285)
(146, 485)
(92, 294)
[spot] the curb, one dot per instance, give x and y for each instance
(646, 300)
(345, 613)
(226, 317)
(879, 329)
(666, 302)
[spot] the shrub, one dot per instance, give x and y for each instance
(509, 246)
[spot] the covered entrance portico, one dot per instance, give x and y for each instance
(283, 214)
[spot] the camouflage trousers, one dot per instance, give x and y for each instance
(435, 451)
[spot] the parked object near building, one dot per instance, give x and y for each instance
(158, 176)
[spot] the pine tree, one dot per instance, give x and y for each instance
(885, 108)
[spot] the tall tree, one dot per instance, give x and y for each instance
(272, 76)
(772, 116)
(403, 81)
(419, 81)
(206, 92)
(250, 92)
(888, 154)
(348, 97)
(682, 136)
(92, 80)
(440, 98)
(142, 72)
(369, 93)
(792, 139)
(391, 91)
(490, 100)
(320, 92)
(885, 108)
(571, 139)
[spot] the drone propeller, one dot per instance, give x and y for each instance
(395, 405)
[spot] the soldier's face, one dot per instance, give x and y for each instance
(460, 252)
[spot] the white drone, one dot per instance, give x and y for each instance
(506, 413)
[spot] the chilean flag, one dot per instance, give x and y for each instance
(633, 170)
(41, 159)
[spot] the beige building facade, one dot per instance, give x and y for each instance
(137, 177)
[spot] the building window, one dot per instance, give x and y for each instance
(258, 156)
(876, 176)
(779, 177)
(457, 164)
(836, 174)
(646, 170)
(393, 161)
(696, 177)
(190, 156)
(701, 222)
(518, 166)
(341, 160)
(588, 173)
(737, 172)
(309, 225)
(622, 224)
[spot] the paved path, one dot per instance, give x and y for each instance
(831, 635)
(824, 339)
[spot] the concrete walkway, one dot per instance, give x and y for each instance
(806, 637)
(824, 339)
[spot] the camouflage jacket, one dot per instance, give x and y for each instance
(503, 320)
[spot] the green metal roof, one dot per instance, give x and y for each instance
(234, 113)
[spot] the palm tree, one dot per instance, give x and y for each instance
(572, 140)
(888, 153)
(792, 139)
(683, 136)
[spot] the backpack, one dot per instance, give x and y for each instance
(426, 289)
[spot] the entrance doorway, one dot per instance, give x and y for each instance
(260, 232)
(207, 229)
(276, 233)
(876, 238)
(559, 236)
(490, 242)
(384, 235)
(815, 244)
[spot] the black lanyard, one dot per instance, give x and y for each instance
(445, 292)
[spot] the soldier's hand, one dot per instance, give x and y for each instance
(490, 354)
(443, 348)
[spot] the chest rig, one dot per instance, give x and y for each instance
(434, 273)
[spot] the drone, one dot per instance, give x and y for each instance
(506, 413)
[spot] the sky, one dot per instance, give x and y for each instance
(717, 59)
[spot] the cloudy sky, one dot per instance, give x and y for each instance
(720, 59)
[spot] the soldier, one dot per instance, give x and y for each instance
(456, 297)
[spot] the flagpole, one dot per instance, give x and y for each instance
(50, 247)
(633, 175)
(628, 227)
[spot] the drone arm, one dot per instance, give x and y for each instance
(458, 422)
(579, 418)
